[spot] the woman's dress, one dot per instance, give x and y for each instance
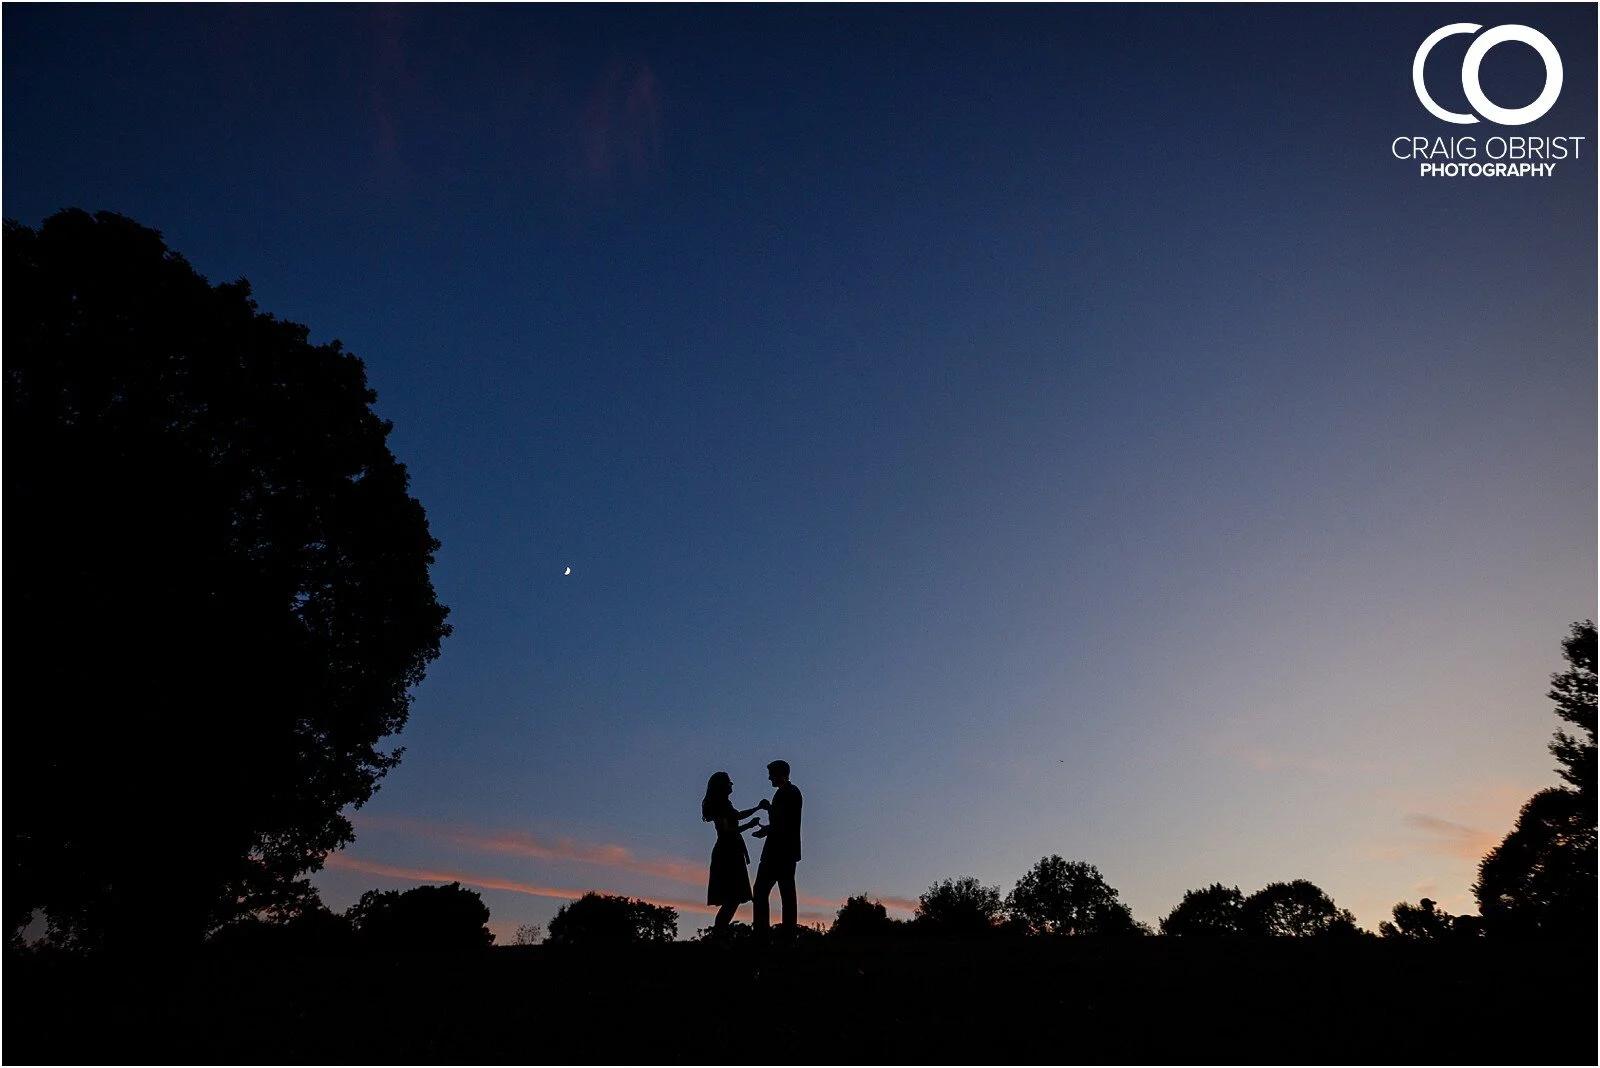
(730, 872)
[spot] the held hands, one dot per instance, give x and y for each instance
(763, 804)
(759, 832)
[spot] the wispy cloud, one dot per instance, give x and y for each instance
(1448, 837)
(619, 122)
(522, 844)
(1426, 835)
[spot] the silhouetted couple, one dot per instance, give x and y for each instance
(730, 876)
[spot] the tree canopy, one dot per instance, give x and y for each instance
(1540, 881)
(1573, 691)
(959, 905)
(1213, 912)
(1068, 897)
(1427, 922)
(428, 918)
(608, 919)
(218, 589)
(1296, 909)
(861, 917)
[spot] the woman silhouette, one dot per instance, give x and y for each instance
(729, 885)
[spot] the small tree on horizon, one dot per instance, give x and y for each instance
(609, 919)
(1297, 909)
(429, 918)
(959, 906)
(1216, 911)
(861, 917)
(1068, 897)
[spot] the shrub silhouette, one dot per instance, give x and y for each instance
(1068, 897)
(216, 529)
(426, 918)
(1297, 909)
(1215, 912)
(606, 919)
(959, 906)
(737, 933)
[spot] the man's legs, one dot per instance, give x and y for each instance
(791, 913)
(762, 889)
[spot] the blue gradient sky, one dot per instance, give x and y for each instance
(1052, 430)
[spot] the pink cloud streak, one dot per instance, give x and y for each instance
(522, 844)
(423, 875)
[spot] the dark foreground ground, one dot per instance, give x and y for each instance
(1152, 1000)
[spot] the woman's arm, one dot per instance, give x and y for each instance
(748, 812)
(746, 826)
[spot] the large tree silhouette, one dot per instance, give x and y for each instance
(1573, 691)
(217, 589)
(1540, 881)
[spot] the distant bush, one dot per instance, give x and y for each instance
(606, 919)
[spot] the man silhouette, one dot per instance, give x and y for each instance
(780, 851)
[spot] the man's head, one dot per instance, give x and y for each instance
(778, 772)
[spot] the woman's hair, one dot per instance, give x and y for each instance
(718, 789)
